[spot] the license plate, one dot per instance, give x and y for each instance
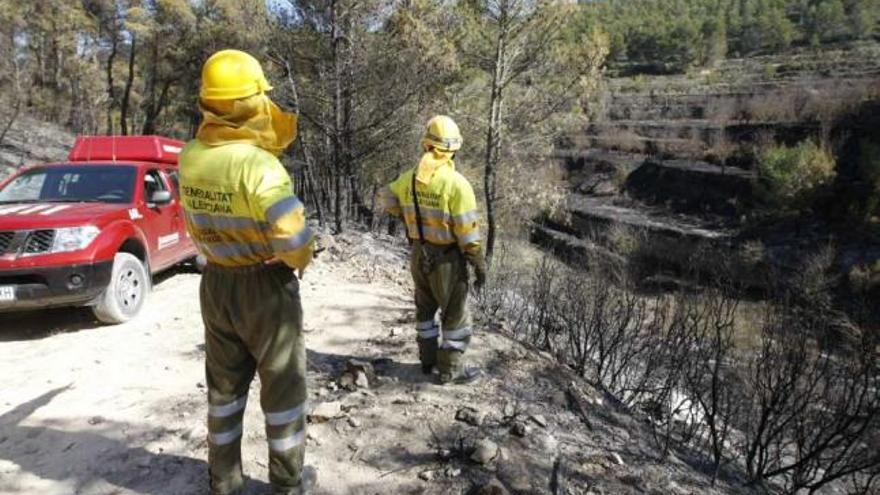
(7, 293)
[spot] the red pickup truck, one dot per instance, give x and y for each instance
(93, 230)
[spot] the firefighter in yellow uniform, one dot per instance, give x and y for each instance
(243, 216)
(440, 211)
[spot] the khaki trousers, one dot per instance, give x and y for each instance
(253, 325)
(440, 276)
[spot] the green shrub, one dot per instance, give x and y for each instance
(769, 71)
(790, 176)
(640, 83)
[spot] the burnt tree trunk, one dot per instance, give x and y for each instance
(339, 154)
(126, 95)
(308, 158)
(111, 94)
(494, 137)
(354, 199)
(16, 90)
(150, 111)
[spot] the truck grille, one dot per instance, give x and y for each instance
(40, 241)
(23, 242)
(6, 241)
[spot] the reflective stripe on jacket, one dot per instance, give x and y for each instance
(240, 207)
(447, 204)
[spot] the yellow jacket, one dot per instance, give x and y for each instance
(240, 207)
(446, 201)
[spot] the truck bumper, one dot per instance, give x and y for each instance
(36, 288)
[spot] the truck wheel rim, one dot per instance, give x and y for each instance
(128, 290)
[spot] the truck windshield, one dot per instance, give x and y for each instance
(72, 184)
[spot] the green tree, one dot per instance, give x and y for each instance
(862, 17)
(826, 21)
(534, 72)
(790, 176)
(361, 109)
(714, 35)
(166, 29)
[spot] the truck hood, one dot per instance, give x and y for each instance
(52, 215)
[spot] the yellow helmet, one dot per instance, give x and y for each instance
(442, 133)
(231, 75)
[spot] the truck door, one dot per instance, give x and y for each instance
(158, 222)
(185, 249)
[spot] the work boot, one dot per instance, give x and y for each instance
(467, 376)
(231, 481)
(452, 370)
(234, 487)
(307, 483)
(428, 354)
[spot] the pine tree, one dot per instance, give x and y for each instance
(533, 72)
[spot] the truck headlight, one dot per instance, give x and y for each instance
(74, 238)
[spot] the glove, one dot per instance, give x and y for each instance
(480, 270)
(277, 261)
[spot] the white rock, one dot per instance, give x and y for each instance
(326, 411)
(361, 381)
(548, 443)
(486, 451)
(453, 472)
(470, 415)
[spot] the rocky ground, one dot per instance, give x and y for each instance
(91, 409)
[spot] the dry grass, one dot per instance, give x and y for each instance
(622, 140)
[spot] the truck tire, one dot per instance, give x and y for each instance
(129, 286)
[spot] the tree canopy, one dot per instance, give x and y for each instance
(364, 76)
(670, 35)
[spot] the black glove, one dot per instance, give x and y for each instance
(480, 270)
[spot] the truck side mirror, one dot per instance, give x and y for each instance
(160, 198)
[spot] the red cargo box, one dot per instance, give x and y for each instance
(126, 148)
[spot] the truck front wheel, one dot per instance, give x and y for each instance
(129, 285)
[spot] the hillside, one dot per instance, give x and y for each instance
(97, 410)
(677, 159)
(30, 141)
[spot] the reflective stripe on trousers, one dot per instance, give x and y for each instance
(454, 344)
(283, 419)
(224, 410)
(458, 334)
(428, 329)
(227, 418)
(457, 339)
(287, 443)
(226, 437)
